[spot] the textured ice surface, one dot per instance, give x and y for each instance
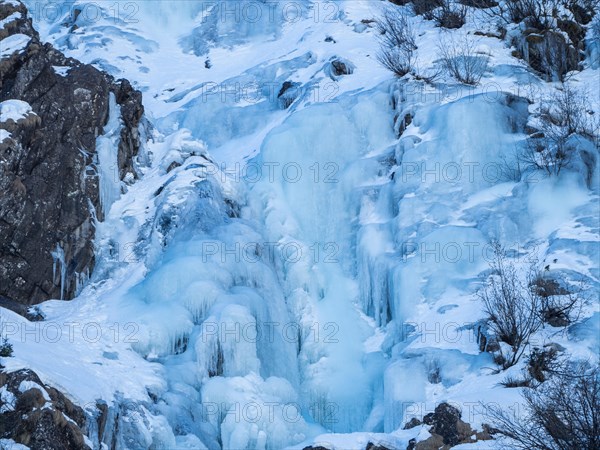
(291, 271)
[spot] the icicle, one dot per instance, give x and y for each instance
(58, 256)
(80, 280)
(107, 151)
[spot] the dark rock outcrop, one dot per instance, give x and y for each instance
(31, 313)
(444, 422)
(447, 429)
(371, 446)
(48, 179)
(339, 67)
(288, 93)
(414, 422)
(37, 415)
(548, 52)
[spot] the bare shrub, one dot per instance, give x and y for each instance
(583, 10)
(550, 40)
(514, 382)
(566, 115)
(570, 110)
(480, 3)
(449, 15)
(461, 59)
(397, 42)
(428, 74)
(549, 154)
(512, 308)
(560, 305)
(511, 166)
(562, 413)
(425, 7)
(543, 361)
(536, 14)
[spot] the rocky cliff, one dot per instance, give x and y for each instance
(37, 415)
(53, 109)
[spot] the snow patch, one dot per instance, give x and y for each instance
(13, 43)
(4, 134)
(14, 110)
(11, 18)
(26, 385)
(63, 71)
(8, 399)
(9, 444)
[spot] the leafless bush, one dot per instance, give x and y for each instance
(565, 116)
(425, 7)
(560, 305)
(480, 3)
(512, 308)
(562, 413)
(536, 14)
(511, 166)
(543, 361)
(583, 10)
(550, 40)
(514, 382)
(549, 154)
(571, 110)
(461, 59)
(449, 15)
(428, 74)
(397, 42)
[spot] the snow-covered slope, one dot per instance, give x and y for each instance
(288, 268)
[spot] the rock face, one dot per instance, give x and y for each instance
(38, 416)
(549, 53)
(447, 429)
(48, 180)
(339, 67)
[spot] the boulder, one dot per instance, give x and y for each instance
(39, 416)
(339, 67)
(371, 446)
(447, 429)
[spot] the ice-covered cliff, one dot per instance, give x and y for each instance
(298, 261)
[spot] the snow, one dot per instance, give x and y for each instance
(306, 259)
(4, 135)
(13, 43)
(14, 110)
(8, 400)
(359, 441)
(551, 203)
(26, 385)
(62, 70)
(10, 18)
(9, 444)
